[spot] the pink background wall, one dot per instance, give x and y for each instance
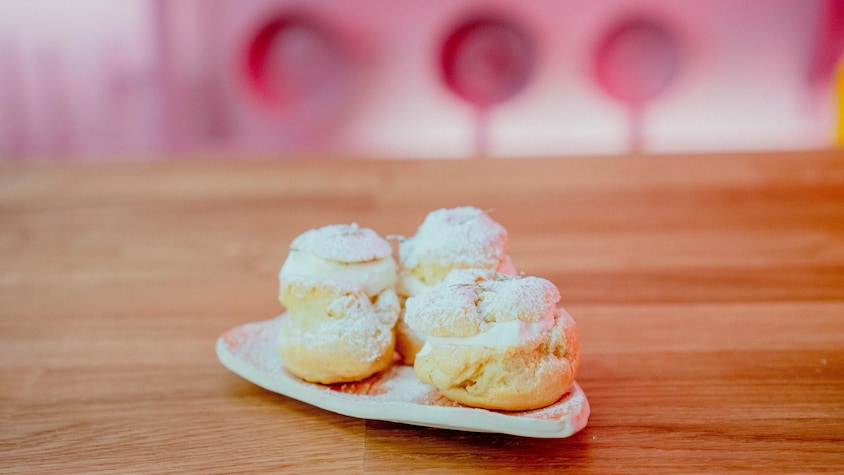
(127, 79)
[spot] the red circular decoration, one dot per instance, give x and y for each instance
(637, 60)
(295, 63)
(486, 60)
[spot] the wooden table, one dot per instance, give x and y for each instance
(708, 291)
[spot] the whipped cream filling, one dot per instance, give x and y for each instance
(374, 276)
(499, 335)
(411, 286)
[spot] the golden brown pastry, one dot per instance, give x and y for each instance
(337, 285)
(495, 341)
(334, 332)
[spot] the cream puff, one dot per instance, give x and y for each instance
(494, 341)
(341, 308)
(344, 253)
(448, 239)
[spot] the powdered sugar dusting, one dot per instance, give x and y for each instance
(561, 408)
(464, 236)
(397, 383)
(444, 310)
(343, 243)
(525, 298)
(469, 301)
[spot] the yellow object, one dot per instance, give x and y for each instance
(839, 94)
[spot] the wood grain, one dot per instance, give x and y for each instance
(708, 291)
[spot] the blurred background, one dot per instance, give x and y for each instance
(149, 79)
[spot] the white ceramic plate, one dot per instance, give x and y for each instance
(393, 395)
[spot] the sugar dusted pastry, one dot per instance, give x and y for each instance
(334, 332)
(337, 286)
(448, 239)
(495, 341)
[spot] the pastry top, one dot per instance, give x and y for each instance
(453, 238)
(344, 243)
(474, 302)
(341, 253)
